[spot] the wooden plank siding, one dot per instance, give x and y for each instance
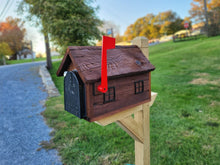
(124, 96)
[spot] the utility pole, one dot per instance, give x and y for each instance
(47, 45)
(206, 18)
(32, 53)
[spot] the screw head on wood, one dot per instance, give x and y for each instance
(138, 62)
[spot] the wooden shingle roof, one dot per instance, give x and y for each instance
(121, 61)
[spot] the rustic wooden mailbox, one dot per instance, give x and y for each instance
(128, 79)
(129, 89)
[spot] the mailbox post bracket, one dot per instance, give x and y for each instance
(138, 128)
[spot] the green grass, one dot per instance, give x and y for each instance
(10, 62)
(185, 118)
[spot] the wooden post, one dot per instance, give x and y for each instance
(142, 150)
(139, 129)
(142, 43)
(139, 126)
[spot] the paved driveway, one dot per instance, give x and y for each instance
(22, 127)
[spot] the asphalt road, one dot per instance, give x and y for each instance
(22, 127)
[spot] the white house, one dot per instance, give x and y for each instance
(26, 54)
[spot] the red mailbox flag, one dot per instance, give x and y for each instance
(107, 43)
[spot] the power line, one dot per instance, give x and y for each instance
(6, 5)
(7, 10)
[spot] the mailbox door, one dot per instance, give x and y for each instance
(74, 94)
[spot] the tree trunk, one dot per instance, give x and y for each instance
(32, 53)
(47, 45)
(3, 58)
(206, 19)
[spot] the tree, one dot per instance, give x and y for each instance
(212, 21)
(12, 32)
(154, 26)
(67, 22)
(4, 50)
(197, 11)
(118, 38)
(142, 27)
(128, 34)
(170, 22)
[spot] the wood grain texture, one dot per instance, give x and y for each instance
(116, 112)
(118, 116)
(139, 146)
(139, 154)
(125, 96)
(121, 61)
(124, 92)
(149, 78)
(89, 101)
(129, 111)
(130, 126)
(146, 134)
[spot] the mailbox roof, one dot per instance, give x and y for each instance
(122, 61)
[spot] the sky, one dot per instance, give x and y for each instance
(120, 12)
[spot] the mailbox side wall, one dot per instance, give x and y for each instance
(125, 96)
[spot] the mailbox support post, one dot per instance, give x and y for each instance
(139, 126)
(142, 150)
(139, 129)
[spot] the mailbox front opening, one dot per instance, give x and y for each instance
(74, 94)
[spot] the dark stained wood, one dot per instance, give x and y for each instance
(89, 100)
(122, 61)
(149, 75)
(64, 64)
(116, 111)
(71, 67)
(125, 96)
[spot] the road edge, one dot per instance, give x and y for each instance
(48, 82)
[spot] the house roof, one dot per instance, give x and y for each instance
(121, 61)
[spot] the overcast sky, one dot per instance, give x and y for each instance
(121, 12)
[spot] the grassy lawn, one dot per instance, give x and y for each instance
(10, 62)
(185, 118)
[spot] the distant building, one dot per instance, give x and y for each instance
(26, 54)
(198, 28)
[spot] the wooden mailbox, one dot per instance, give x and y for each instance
(128, 80)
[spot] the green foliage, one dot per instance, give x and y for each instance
(4, 49)
(154, 26)
(67, 22)
(184, 118)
